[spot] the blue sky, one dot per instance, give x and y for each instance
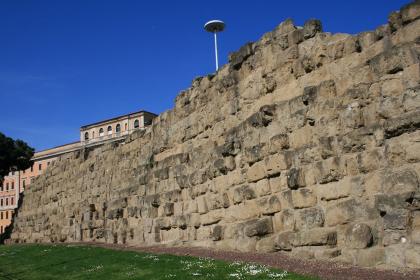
(64, 64)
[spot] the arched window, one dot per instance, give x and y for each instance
(109, 130)
(118, 128)
(136, 124)
(86, 135)
(101, 132)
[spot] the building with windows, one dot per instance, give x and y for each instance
(9, 195)
(94, 134)
(115, 128)
(17, 181)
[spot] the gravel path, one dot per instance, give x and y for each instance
(321, 269)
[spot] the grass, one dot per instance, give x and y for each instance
(84, 262)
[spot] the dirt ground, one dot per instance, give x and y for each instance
(321, 269)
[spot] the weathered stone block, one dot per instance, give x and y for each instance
(325, 254)
(309, 218)
(284, 220)
(359, 236)
(311, 27)
(258, 227)
(242, 193)
(402, 181)
(168, 209)
(295, 178)
(256, 172)
(262, 187)
(279, 142)
(285, 240)
(328, 170)
(410, 12)
(316, 237)
(334, 190)
(303, 198)
(393, 60)
(236, 59)
(277, 162)
(341, 213)
(396, 219)
(295, 37)
(202, 205)
(217, 233)
(269, 205)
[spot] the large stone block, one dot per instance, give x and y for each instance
(341, 212)
(277, 162)
(285, 240)
(303, 198)
(257, 171)
(410, 12)
(309, 218)
(242, 193)
(311, 27)
(359, 236)
(258, 227)
(269, 205)
(284, 220)
(393, 60)
(295, 178)
(316, 237)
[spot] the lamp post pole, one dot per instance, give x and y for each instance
(215, 26)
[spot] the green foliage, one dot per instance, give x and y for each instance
(14, 155)
(83, 262)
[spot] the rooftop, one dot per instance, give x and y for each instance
(115, 118)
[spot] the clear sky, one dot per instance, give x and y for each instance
(64, 64)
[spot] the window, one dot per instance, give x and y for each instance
(24, 171)
(48, 163)
(86, 135)
(93, 134)
(13, 185)
(13, 173)
(118, 128)
(7, 186)
(32, 168)
(101, 132)
(125, 127)
(7, 215)
(40, 167)
(1, 202)
(7, 201)
(136, 124)
(1, 216)
(109, 130)
(23, 183)
(12, 201)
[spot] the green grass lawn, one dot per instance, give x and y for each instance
(84, 262)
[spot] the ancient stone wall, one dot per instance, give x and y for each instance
(306, 142)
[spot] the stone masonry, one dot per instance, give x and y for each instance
(305, 142)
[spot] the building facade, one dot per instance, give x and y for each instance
(90, 135)
(115, 128)
(9, 195)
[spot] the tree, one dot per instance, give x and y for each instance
(14, 155)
